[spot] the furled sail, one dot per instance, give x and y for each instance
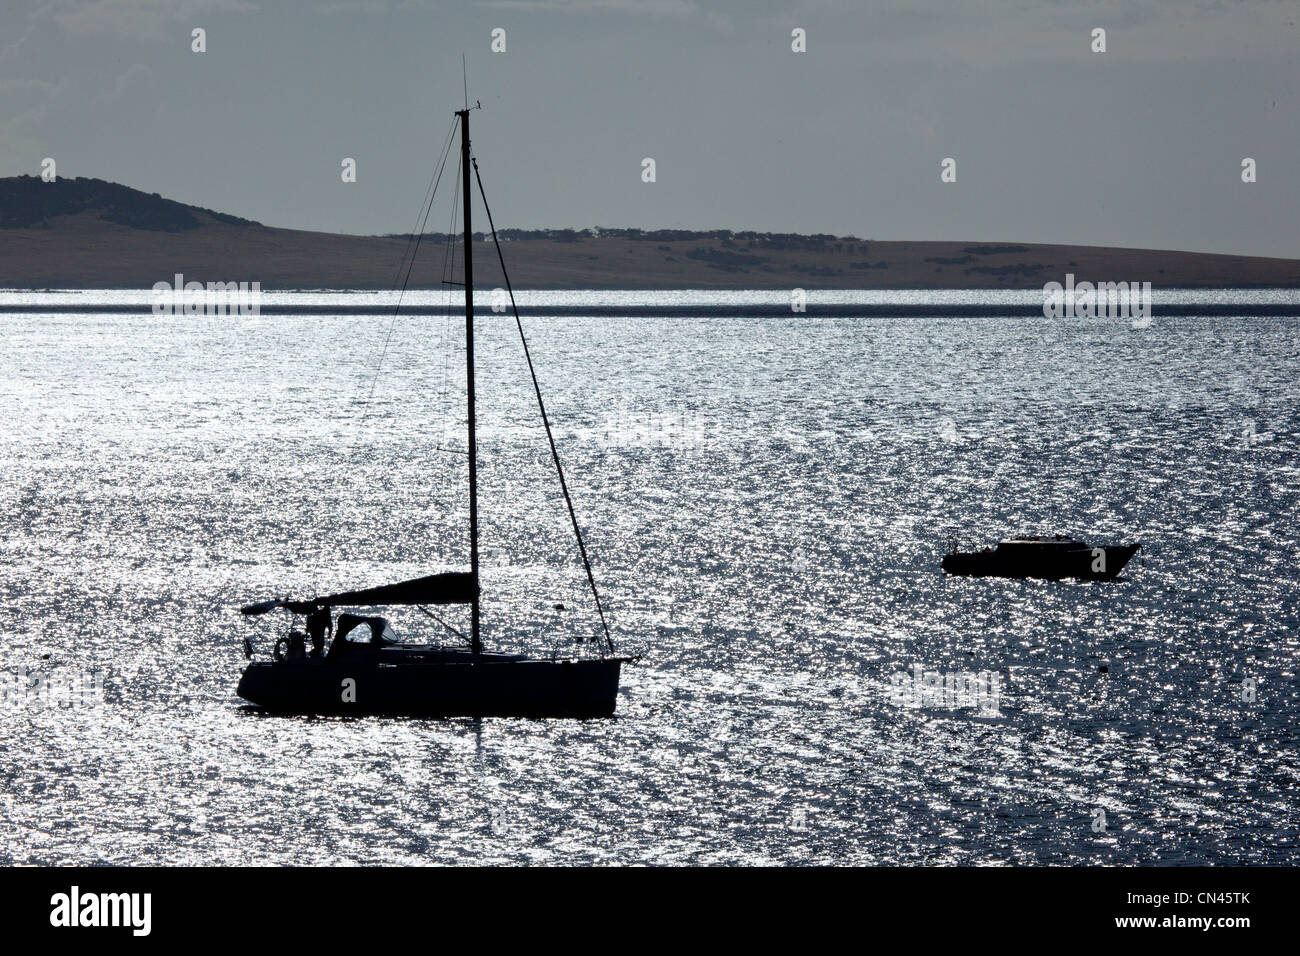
(453, 587)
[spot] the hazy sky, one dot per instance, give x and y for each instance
(1141, 145)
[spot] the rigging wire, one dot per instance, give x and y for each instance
(426, 208)
(448, 269)
(455, 630)
(550, 437)
(404, 270)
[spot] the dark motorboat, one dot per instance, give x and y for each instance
(368, 670)
(1042, 557)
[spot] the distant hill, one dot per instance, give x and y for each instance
(29, 202)
(87, 233)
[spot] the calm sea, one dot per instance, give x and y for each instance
(767, 502)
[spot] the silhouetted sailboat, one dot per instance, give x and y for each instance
(367, 670)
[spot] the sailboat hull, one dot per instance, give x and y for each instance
(461, 688)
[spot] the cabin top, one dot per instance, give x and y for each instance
(1058, 541)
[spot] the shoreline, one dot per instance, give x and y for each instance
(704, 310)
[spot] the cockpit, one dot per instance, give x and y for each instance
(351, 637)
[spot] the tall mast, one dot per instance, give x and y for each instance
(476, 644)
